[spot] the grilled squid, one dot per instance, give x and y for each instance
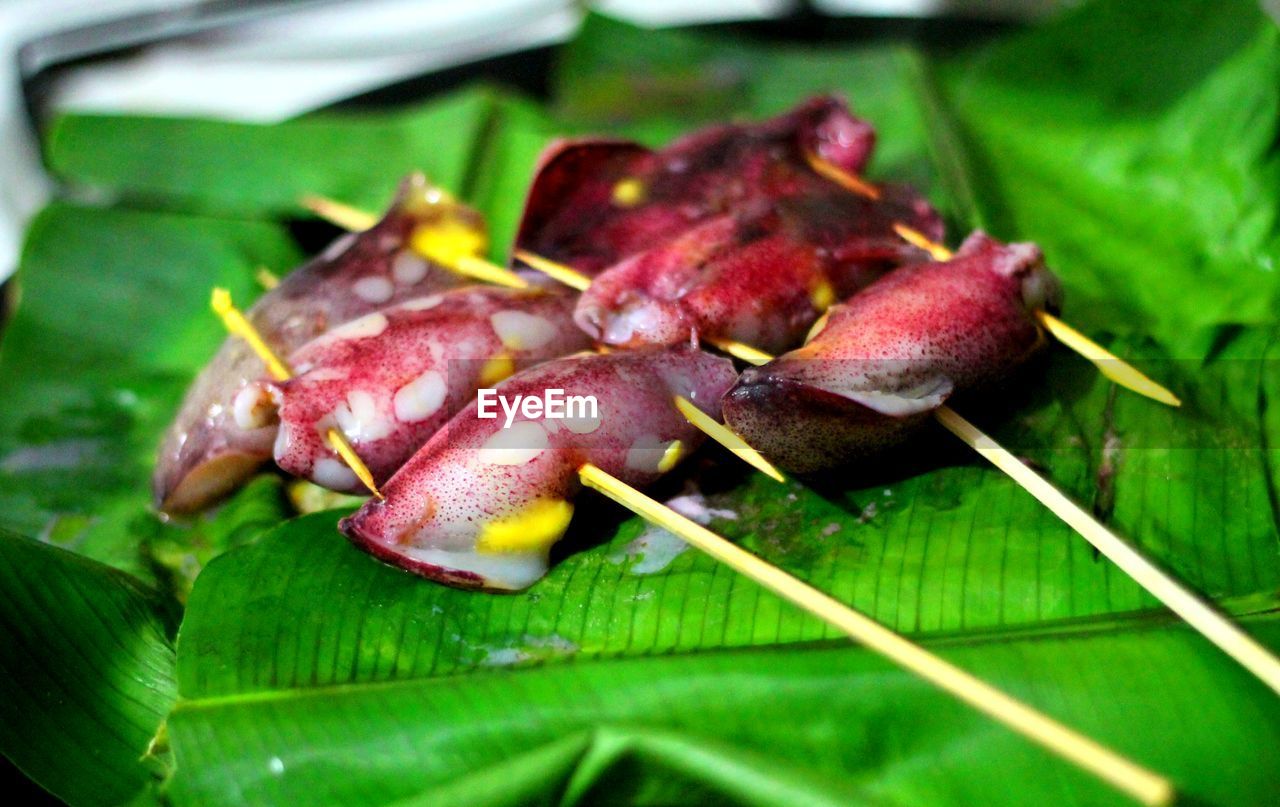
(596, 201)
(760, 275)
(206, 453)
(390, 379)
(882, 363)
(480, 505)
(728, 233)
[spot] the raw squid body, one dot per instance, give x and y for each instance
(204, 454)
(881, 363)
(728, 233)
(389, 379)
(480, 505)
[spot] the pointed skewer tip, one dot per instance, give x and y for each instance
(726, 437)
(1109, 364)
(1136, 781)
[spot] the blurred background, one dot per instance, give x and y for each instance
(268, 60)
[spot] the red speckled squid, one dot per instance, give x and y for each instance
(881, 363)
(390, 379)
(205, 454)
(480, 505)
(728, 233)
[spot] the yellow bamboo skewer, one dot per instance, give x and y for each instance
(238, 325)
(740, 351)
(266, 278)
(1115, 369)
(726, 437)
(1134, 780)
(1109, 364)
(338, 213)
(473, 266)
(556, 271)
(1197, 613)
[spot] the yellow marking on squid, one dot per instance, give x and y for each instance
(823, 296)
(629, 192)
(457, 247)
(534, 528)
(671, 456)
(496, 369)
(556, 271)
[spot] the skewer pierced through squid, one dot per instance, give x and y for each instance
(881, 364)
(595, 201)
(480, 505)
(390, 379)
(204, 454)
(728, 233)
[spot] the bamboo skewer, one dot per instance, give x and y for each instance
(726, 437)
(1138, 782)
(1109, 364)
(1130, 778)
(468, 265)
(1197, 613)
(238, 325)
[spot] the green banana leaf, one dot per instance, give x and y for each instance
(1135, 142)
(87, 659)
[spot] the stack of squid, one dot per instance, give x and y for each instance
(726, 234)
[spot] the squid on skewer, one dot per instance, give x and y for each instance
(204, 454)
(595, 201)
(727, 234)
(389, 379)
(883, 362)
(480, 505)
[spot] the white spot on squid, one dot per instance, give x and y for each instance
(408, 267)
(360, 419)
(420, 398)
(324, 374)
(252, 407)
(580, 425)
(422, 303)
(373, 289)
(362, 328)
(521, 331)
(646, 453)
(518, 444)
(284, 439)
(333, 474)
(338, 247)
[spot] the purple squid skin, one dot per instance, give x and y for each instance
(204, 454)
(390, 379)
(760, 275)
(886, 359)
(475, 472)
(572, 214)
